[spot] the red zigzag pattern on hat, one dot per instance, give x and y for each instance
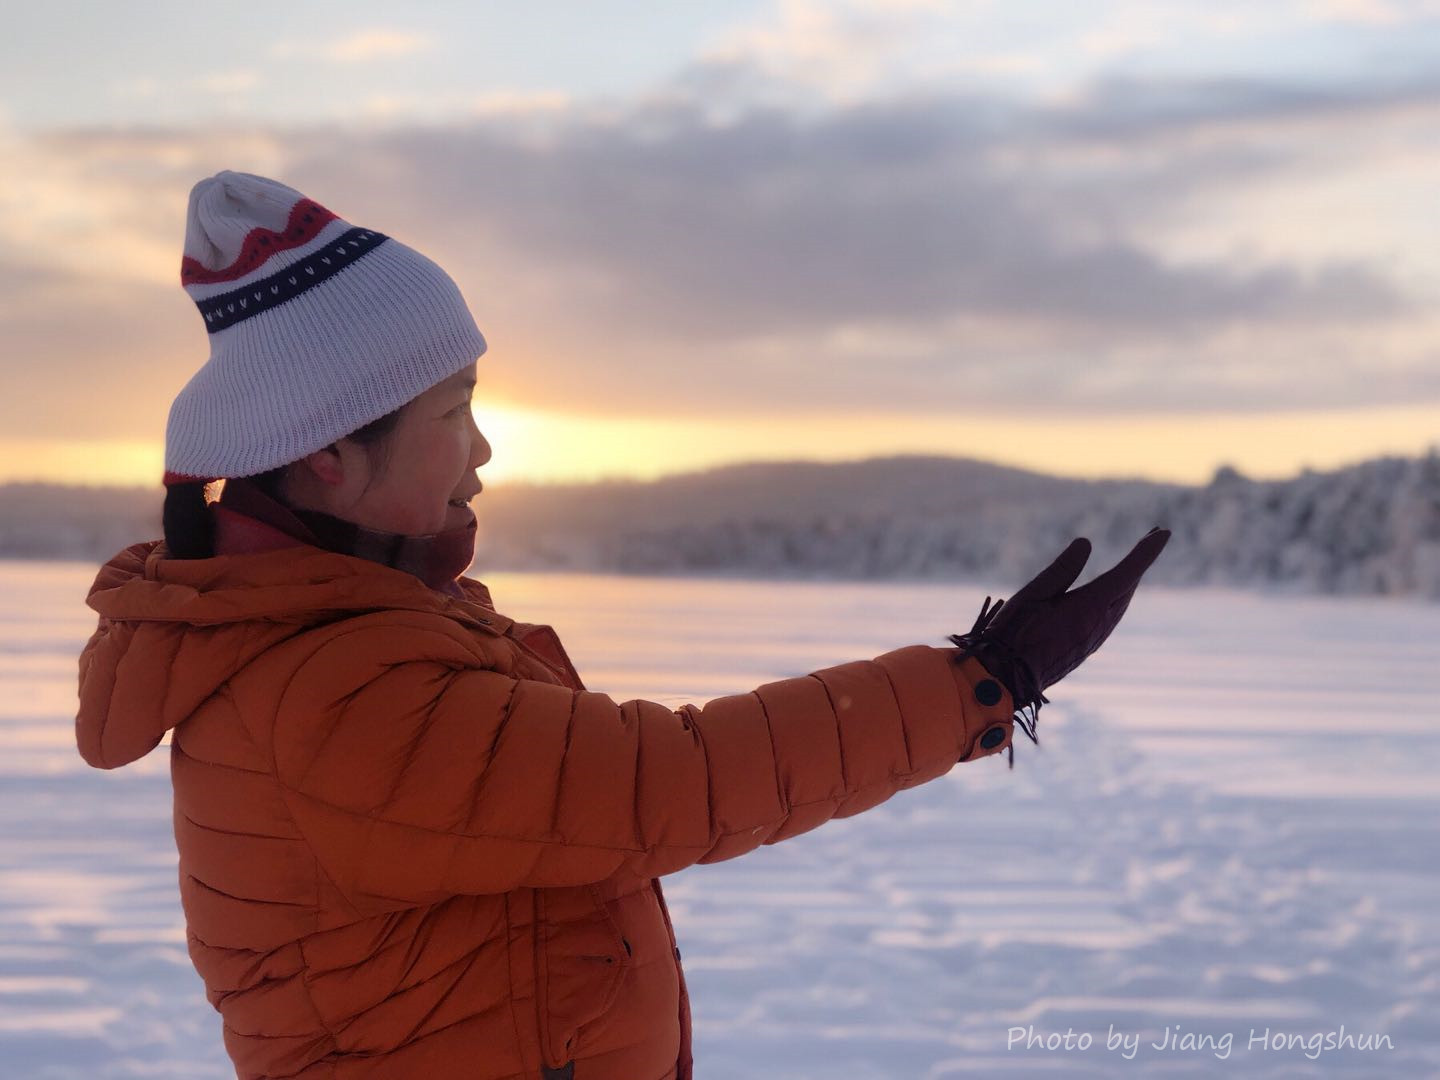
(307, 218)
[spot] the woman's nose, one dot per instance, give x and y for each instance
(479, 447)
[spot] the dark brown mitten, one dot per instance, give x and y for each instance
(1038, 636)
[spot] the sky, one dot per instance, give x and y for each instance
(1110, 239)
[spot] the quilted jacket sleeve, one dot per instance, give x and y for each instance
(432, 778)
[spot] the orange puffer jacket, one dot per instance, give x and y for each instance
(412, 844)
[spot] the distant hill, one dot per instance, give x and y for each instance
(1366, 529)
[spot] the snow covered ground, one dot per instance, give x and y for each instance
(1229, 829)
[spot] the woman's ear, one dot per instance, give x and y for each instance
(327, 465)
(330, 479)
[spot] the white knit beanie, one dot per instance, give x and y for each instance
(317, 327)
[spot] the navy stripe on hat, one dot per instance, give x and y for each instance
(224, 310)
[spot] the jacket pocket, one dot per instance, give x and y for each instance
(580, 960)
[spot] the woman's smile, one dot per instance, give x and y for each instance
(458, 510)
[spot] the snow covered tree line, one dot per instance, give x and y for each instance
(1367, 529)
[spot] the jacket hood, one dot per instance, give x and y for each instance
(172, 631)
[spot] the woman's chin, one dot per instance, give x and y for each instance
(457, 517)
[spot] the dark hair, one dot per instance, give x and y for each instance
(189, 529)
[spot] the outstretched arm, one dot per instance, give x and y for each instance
(434, 778)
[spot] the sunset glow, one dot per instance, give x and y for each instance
(531, 446)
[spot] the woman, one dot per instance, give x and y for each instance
(412, 844)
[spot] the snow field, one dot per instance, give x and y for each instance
(1228, 828)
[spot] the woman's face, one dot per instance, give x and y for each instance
(433, 452)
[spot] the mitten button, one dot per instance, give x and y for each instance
(987, 692)
(992, 738)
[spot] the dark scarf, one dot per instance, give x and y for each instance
(436, 559)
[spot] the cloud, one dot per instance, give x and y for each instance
(950, 252)
(92, 357)
(1373, 12)
(1129, 108)
(103, 204)
(840, 48)
(891, 251)
(510, 103)
(235, 81)
(357, 47)
(892, 213)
